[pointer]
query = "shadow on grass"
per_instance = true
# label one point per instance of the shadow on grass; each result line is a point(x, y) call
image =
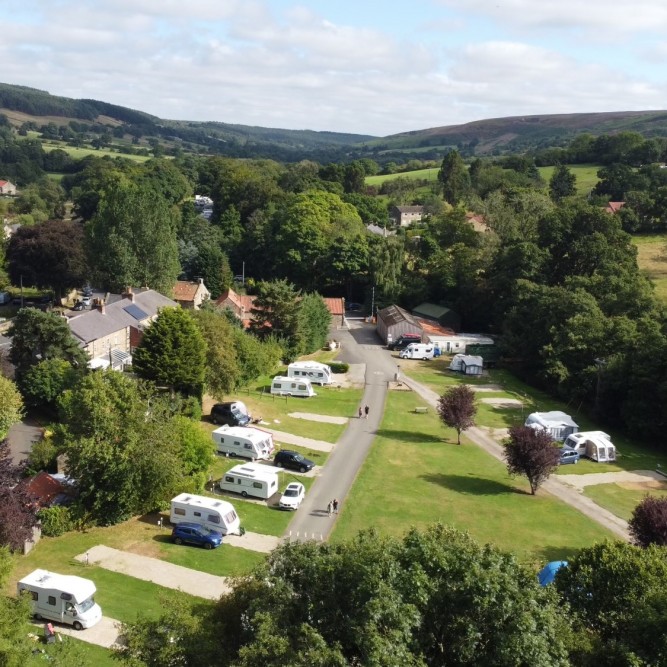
point(163, 538)
point(473, 485)
point(152, 518)
point(407, 436)
point(549, 553)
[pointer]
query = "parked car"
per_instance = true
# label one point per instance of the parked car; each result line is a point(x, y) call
point(86, 300)
point(569, 455)
point(403, 341)
point(232, 413)
point(87, 290)
point(192, 533)
point(79, 306)
point(286, 458)
point(293, 496)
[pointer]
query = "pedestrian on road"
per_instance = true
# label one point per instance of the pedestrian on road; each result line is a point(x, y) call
point(366, 411)
point(360, 412)
point(330, 508)
point(334, 502)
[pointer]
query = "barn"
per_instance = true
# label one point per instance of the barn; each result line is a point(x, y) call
point(393, 322)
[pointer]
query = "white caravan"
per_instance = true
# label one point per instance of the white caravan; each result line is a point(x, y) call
point(218, 515)
point(314, 371)
point(594, 445)
point(251, 479)
point(285, 386)
point(417, 351)
point(64, 598)
point(457, 342)
point(467, 364)
point(556, 423)
point(248, 442)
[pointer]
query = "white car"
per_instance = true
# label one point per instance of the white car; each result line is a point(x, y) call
point(293, 496)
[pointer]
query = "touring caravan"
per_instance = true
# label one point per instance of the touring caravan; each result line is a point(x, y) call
point(556, 423)
point(286, 386)
point(467, 364)
point(314, 371)
point(218, 515)
point(251, 479)
point(417, 351)
point(458, 343)
point(595, 445)
point(64, 598)
point(248, 442)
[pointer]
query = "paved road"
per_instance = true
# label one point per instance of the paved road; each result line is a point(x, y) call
point(21, 438)
point(359, 345)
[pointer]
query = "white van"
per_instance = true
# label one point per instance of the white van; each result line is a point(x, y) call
point(285, 386)
point(251, 479)
point(218, 515)
point(247, 442)
point(314, 371)
point(418, 351)
point(64, 598)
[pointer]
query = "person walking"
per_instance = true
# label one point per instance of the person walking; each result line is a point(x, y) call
point(366, 411)
point(330, 508)
point(334, 502)
point(360, 412)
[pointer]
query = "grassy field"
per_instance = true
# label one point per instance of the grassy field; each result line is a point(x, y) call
point(430, 174)
point(95, 655)
point(416, 475)
point(621, 499)
point(82, 152)
point(652, 260)
point(586, 174)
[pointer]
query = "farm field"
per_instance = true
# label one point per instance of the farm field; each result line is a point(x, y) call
point(652, 260)
point(82, 152)
point(621, 499)
point(586, 174)
point(430, 174)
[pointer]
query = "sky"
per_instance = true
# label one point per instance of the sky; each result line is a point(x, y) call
point(375, 67)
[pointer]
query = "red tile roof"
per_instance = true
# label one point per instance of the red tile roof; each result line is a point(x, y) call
point(336, 305)
point(3, 183)
point(43, 488)
point(433, 328)
point(614, 206)
point(185, 291)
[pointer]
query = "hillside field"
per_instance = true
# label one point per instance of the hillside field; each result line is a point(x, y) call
point(652, 260)
point(430, 174)
point(587, 176)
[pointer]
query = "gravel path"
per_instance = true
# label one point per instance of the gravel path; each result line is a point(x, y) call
point(291, 439)
point(633, 477)
point(199, 584)
point(104, 633)
point(311, 416)
point(253, 541)
point(502, 402)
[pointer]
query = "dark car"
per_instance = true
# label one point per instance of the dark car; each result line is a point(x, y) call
point(79, 306)
point(403, 341)
point(192, 533)
point(569, 455)
point(233, 413)
point(293, 460)
point(353, 307)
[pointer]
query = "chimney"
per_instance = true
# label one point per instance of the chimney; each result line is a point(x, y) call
point(128, 294)
point(101, 305)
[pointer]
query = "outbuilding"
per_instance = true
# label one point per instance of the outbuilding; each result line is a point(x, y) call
point(443, 315)
point(394, 321)
point(558, 424)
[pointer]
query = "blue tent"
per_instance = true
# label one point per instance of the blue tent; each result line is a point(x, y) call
point(548, 572)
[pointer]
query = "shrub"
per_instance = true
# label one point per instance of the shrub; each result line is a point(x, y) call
point(55, 521)
point(339, 367)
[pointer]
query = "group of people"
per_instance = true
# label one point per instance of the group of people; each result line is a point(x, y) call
point(332, 506)
point(363, 412)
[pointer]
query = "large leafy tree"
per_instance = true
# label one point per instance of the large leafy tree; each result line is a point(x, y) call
point(454, 178)
point(172, 353)
point(648, 524)
point(457, 409)
point(314, 323)
point(37, 336)
point(11, 406)
point(563, 183)
point(531, 453)
point(48, 255)
point(276, 311)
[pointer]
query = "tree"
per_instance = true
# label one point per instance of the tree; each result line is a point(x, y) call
point(314, 321)
point(563, 183)
point(37, 336)
point(276, 311)
point(11, 406)
point(17, 512)
point(15, 624)
point(454, 178)
point(172, 353)
point(457, 409)
point(531, 452)
point(48, 255)
point(43, 383)
point(648, 524)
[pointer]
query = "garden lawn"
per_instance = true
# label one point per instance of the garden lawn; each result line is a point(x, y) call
point(652, 260)
point(621, 499)
point(416, 475)
point(94, 655)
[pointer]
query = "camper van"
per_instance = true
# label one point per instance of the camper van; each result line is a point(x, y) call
point(251, 479)
point(247, 442)
point(595, 445)
point(285, 386)
point(218, 515)
point(417, 351)
point(314, 371)
point(64, 598)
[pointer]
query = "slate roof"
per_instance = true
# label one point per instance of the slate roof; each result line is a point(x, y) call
point(409, 209)
point(432, 311)
point(394, 314)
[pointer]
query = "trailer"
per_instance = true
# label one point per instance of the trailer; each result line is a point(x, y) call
point(595, 445)
point(64, 598)
point(286, 386)
point(467, 364)
point(248, 442)
point(251, 479)
point(458, 343)
point(314, 371)
point(218, 515)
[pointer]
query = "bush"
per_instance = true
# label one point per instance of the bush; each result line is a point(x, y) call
point(55, 521)
point(339, 367)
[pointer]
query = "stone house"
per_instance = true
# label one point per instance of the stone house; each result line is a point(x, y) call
point(190, 294)
point(404, 216)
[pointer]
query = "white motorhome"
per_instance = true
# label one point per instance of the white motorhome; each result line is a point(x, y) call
point(417, 351)
point(286, 386)
point(248, 442)
point(64, 598)
point(218, 515)
point(251, 479)
point(595, 445)
point(558, 424)
point(457, 342)
point(314, 371)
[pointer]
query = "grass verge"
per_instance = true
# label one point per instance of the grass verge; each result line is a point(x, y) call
point(621, 499)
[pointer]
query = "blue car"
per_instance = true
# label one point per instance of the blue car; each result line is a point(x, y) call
point(569, 455)
point(192, 533)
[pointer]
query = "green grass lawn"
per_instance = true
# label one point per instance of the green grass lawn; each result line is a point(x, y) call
point(430, 174)
point(94, 655)
point(587, 176)
point(621, 499)
point(416, 475)
point(652, 260)
point(82, 152)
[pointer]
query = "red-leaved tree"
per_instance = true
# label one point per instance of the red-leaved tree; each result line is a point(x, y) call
point(648, 524)
point(457, 408)
point(531, 453)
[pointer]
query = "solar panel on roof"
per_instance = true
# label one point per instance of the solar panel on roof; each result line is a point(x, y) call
point(135, 312)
